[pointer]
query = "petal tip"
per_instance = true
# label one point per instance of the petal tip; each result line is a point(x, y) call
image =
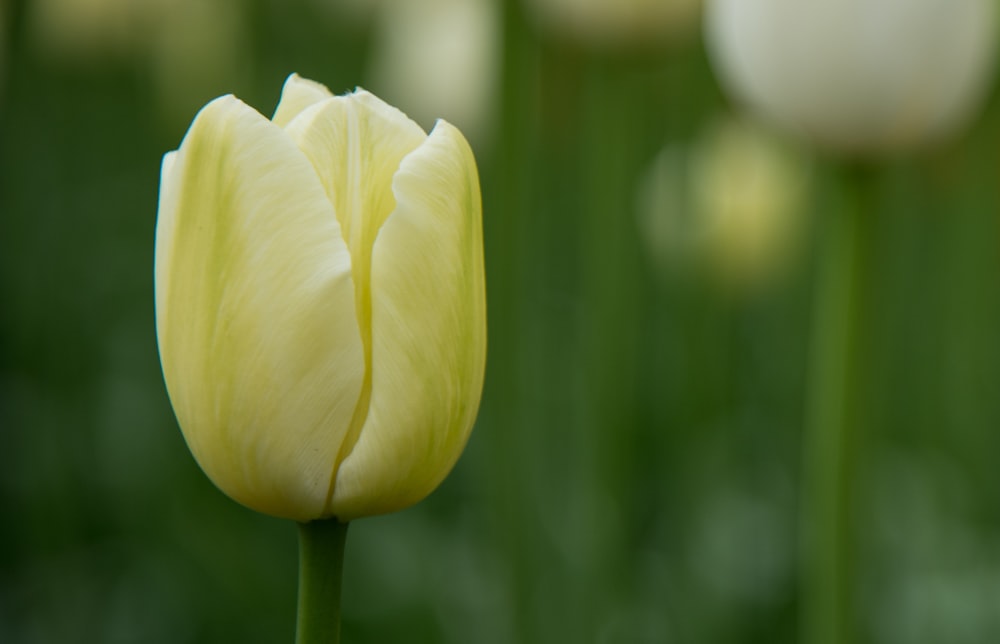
point(297, 94)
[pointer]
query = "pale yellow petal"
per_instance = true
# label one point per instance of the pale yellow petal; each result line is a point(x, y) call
point(297, 94)
point(255, 312)
point(166, 213)
point(428, 332)
point(356, 143)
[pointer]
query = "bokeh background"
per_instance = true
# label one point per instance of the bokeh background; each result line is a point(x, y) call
point(636, 471)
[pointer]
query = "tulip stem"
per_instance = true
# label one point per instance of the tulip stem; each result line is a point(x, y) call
point(831, 441)
point(321, 565)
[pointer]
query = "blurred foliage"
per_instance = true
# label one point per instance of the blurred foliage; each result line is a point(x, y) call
point(634, 474)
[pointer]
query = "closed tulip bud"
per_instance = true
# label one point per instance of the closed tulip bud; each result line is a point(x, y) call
point(320, 301)
point(729, 205)
point(856, 76)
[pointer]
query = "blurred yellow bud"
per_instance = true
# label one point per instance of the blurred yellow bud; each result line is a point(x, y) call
point(320, 301)
point(617, 22)
point(856, 75)
point(730, 205)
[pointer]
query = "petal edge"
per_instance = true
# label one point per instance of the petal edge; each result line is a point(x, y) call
point(428, 329)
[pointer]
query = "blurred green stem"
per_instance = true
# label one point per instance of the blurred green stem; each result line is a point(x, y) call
point(831, 436)
point(321, 564)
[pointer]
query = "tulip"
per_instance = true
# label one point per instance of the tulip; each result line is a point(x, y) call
point(320, 301)
point(730, 204)
point(856, 76)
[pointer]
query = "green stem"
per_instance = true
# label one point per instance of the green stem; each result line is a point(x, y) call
point(830, 445)
point(321, 565)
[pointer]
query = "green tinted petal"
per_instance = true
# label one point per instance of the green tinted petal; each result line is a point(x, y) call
point(428, 332)
point(255, 312)
point(297, 94)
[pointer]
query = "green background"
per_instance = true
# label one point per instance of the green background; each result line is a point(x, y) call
point(635, 472)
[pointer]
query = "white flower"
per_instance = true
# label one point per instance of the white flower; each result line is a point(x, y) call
point(856, 75)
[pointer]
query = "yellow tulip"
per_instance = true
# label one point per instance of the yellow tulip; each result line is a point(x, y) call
point(730, 205)
point(320, 301)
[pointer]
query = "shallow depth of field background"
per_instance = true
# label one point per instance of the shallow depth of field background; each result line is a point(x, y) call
point(634, 474)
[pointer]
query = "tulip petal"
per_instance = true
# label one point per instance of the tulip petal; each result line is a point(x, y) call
point(428, 332)
point(356, 143)
point(297, 94)
point(255, 312)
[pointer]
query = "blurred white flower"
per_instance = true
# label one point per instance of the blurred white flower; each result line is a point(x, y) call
point(617, 22)
point(856, 75)
point(730, 205)
point(439, 59)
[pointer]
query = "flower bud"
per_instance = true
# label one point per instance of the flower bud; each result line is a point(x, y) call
point(729, 205)
point(320, 301)
point(856, 76)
